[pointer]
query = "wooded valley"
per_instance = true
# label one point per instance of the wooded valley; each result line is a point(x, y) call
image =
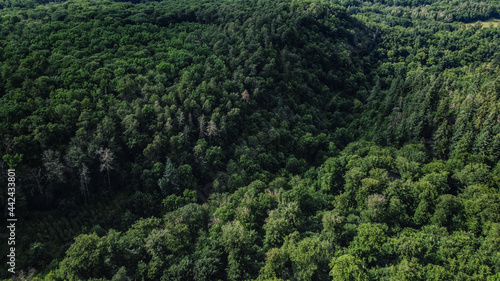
point(251, 139)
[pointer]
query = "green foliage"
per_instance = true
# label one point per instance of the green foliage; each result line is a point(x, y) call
point(347, 268)
point(85, 257)
point(309, 257)
point(367, 244)
point(173, 202)
point(305, 140)
point(239, 244)
point(170, 182)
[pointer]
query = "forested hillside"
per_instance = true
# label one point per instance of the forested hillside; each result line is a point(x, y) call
point(252, 140)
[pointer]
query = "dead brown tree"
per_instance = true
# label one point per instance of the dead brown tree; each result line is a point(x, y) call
point(106, 158)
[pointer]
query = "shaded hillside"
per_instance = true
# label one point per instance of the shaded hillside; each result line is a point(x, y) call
point(161, 98)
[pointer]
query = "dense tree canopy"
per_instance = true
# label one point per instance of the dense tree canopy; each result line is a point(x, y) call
point(252, 140)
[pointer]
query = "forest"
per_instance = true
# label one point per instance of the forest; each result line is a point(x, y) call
point(251, 139)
